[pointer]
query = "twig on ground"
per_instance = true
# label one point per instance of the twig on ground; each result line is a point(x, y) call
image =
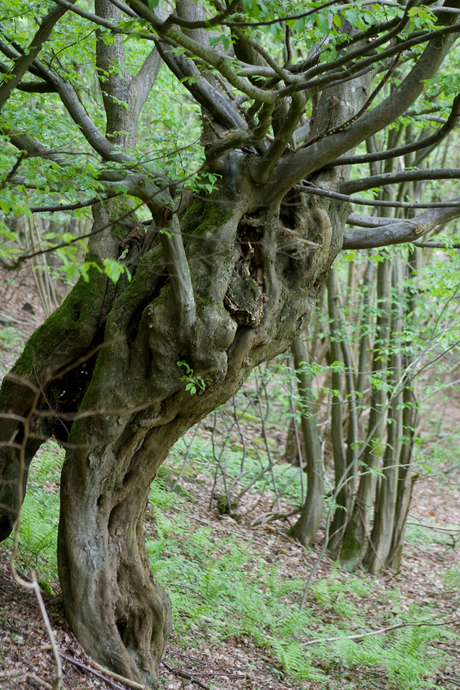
point(104, 676)
point(271, 517)
point(39, 680)
point(415, 624)
point(184, 674)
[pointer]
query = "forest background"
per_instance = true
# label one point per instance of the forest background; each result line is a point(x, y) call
point(197, 234)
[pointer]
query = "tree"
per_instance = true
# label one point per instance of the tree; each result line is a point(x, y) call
point(227, 273)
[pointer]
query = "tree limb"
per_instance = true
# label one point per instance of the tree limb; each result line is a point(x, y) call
point(358, 53)
point(454, 203)
point(262, 167)
point(395, 178)
point(368, 221)
point(315, 157)
point(213, 59)
point(399, 232)
point(321, 82)
point(25, 61)
point(434, 139)
point(221, 109)
point(77, 112)
point(201, 24)
point(30, 86)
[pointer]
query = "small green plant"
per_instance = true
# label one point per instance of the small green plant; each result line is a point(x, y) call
point(194, 383)
point(9, 338)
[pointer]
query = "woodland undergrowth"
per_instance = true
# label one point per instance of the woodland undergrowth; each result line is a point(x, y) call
point(228, 585)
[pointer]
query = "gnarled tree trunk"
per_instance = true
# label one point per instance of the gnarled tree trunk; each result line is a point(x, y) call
point(238, 294)
point(221, 282)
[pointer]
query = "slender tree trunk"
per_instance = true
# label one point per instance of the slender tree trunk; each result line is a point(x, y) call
point(406, 478)
point(379, 547)
point(364, 328)
point(307, 525)
point(338, 446)
point(358, 529)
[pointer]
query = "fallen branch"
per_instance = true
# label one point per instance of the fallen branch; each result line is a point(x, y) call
point(454, 621)
point(104, 676)
point(271, 517)
point(184, 674)
point(435, 528)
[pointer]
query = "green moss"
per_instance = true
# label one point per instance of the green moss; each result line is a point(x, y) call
point(117, 208)
point(202, 216)
point(203, 301)
point(350, 553)
point(162, 297)
point(46, 344)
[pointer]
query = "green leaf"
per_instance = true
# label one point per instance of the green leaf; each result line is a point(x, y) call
point(113, 269)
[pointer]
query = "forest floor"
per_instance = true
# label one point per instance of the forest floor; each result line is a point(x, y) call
point(198, 655)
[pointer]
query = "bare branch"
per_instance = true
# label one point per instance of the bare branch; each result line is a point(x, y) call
point(368, 221)
point(315, 157)
point(262, 167)
point(358, 53)
point(418, 39)
point(281, 20)
point(409, 148)
point(359, 636)
point(376, 202)
point(201, 24)
point(395, 178)
point(53, 208)
point(402, 231)
point(216, 60)
point(221, 109)
point(435, 245)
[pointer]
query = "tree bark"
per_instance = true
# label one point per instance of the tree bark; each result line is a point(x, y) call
point(379, 547)
point(358, 529)
point(306, 527)
point(234, 293)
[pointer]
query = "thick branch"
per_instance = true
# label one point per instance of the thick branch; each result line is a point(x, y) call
point(263, 167)
point(34, 148)
point(178, 270)
point(315, 157)
point(399, 232)
point(81, 118)
point(395, 178)
point(219, 62)
point(30, 86)
point(221, 109)
point(252, 137)
point(142, 83)
point(433, 140)
point(368, 221)
point(454, 203)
